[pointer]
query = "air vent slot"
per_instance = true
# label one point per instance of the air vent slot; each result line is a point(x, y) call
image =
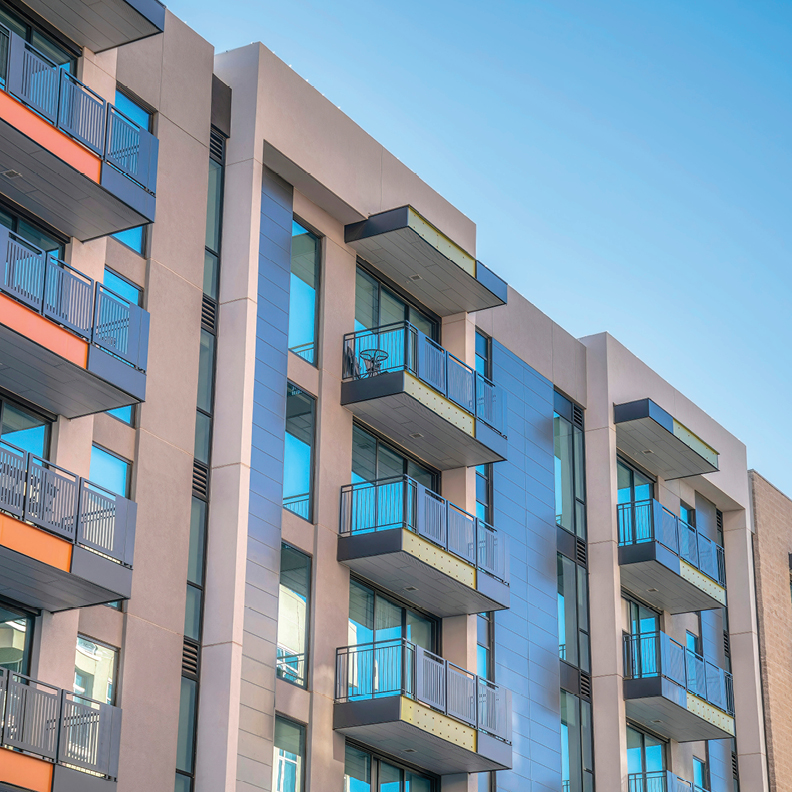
point(581, 552)
point(217, 146)
point(719, 519)
point(200, 480)
point(191, 659)
point(726, 644)
point(585, 685)
point(209, 314)
point(577, 415)
point(735, 766)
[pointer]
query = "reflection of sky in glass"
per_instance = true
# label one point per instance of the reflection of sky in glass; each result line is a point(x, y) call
point(296, 467)
point(109, 471)
point(302, 311)
point(564, 752)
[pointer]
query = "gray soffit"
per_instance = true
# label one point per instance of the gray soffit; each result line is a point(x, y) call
point(39, 585)
point(380, 728)
point(60, 195)
point(660, 444)
point(659, 584)
point(396, 244)
point(102, 24)
point(51, 382)
point(378, 558)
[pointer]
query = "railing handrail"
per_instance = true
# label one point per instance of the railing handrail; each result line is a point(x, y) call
point(465, 393)
point(653, 534)
point(61, 735)
point(412, 520)
point(633, 667)
point(413, 689)
point(123, 555)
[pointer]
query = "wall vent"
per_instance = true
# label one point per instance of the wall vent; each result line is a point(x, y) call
point(200, 480)
point(581, 552)
point(735, 766)
point(577, 415)
point(191, 659)
point(726, 644)
point(719, 519)
point(585, 685)
point(217, 146)
point(209, 314)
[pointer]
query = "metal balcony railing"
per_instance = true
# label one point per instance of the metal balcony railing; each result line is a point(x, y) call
point(659, 781)
point(658, 655)
point(69, 506)
point(64, 295)
point(58, 725)
point(66, 103)
point(401, 502)
point(650, 521)
point(403, 347)
point(400, 668)
point(291, 665)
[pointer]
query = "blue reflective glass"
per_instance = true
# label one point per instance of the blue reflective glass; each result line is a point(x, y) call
point(25, 430)
point(305, 252)
point(122, 413)
point(298, 452)
point(109, 471)
point(122, 287)
point(132, 238)
point(133, 110)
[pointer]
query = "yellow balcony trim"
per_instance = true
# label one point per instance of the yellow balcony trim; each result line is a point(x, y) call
point(440, 559)
point(710, 714)
point(448, 729)
point(438, 240)
point(438, 404)
point(700, 580)
point(696, 443)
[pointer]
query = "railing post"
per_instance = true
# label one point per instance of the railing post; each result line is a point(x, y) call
point(420, 508)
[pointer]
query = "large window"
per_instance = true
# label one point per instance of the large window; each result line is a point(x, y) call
point(577, 744)
point(293, 615)
point(483, 355)
point(185, 742)
point(484, 492)
point(485, 643)
point(203, 415)
point(298, 452)
point(303, 292)
point(193, 611)
point(570, 463)
point(110, 471)
point(573, 620)
point(29, 232)
point(289, 756)
point(24, 429)
point(646, 754)
point(633, 485)
point(364, 772)
point(376, 306)
point(95, 670)
point(373, 459)
point(16, 638)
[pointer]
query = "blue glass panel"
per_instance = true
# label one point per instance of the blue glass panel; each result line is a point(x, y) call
point(133, 110)
point(122, 287)
point(132, 238)
point(109, 471)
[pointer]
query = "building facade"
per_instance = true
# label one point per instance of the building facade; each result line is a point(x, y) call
point(297, 494)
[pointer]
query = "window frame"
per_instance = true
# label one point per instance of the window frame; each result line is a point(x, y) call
point(33, 22)
point(320, 264)
point(308, 616)
point(129, 463)
point(312, 473)
point(377, 758)
point(31, 617)
point(116, 665)
point(48, 423)
point(17, 213)
point(303, 750)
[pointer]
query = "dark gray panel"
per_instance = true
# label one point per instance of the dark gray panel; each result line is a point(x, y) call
point(64, 779)
point(102, 572)
point(221, 105)
point(117, 373)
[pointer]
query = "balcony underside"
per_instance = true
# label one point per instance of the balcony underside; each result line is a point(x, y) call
point(59, 194)
point(422, 573)
point(670, 711)
point(662, 579)
point(93, 580)
point(416, 734)
point(409, 413)
point(105, 24)
point(420, 259)
point(666, 448)
point(44, 378)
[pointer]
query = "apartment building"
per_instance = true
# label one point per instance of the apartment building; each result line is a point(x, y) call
point(298, 494)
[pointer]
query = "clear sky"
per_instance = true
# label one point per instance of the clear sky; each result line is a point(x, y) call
point(628, 164)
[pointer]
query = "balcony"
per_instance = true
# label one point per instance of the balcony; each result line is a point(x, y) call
point(422, 260)
point(667, 562)
point(401, 700)
point(407, 539)
point(104, 24)
point(64, 541)
point(660, 443)
point(403, 384)
point(660, 781)
point(675, 692)
point(67, 344)
point(51, 739)
point(67, 155)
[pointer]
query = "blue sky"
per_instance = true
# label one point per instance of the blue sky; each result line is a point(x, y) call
point(628, 165)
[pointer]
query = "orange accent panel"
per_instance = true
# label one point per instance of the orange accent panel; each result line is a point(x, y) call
point(45, 333)
point(51, 138)
point(35, 543)
point(25, 771)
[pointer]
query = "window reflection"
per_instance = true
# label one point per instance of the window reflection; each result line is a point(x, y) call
point(16, 636)
point(24, 429)
point(109, 471)
point(298, 452)
point(305, 262)
point(95, 671)
point(287, 767)
point(295, 585)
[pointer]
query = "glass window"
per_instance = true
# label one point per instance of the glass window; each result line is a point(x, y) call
point(366, 773)
point(692, 643)
point(484, 493)
point(45, 45)
point(24, 429)
point(110, 471)
point(305, 263)
point(134, 238)
point(203, 437)
point(206, 360)
point(634, 486)
point(287, 765)
point(569, 465)
point(577, 744)
point(485, 641)
point(373, 459)
point(16, 638)
point(123, 287)
point(298, 452)
point(133, 110)
point(645, 753)
point(185, 745)
point(700, 773)
point(357, 770)
point(214, 206)
point(639, 620)
point(293, 615)
point(30, 233)
point(483, 357)
point(687, 514)
point(573, 627)
point(95, 671)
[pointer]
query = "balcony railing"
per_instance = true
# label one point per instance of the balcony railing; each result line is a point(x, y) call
point(650, 521)
point(66, 103)
point(400, 668)
point(401, 502)
point(51, 498)
point(64, 295)
point(659, 781)
point(58, 726)
point(291, 665)
point(403, 347)
point(658, 655)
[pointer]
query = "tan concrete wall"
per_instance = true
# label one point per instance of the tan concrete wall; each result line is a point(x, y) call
point(772, 519)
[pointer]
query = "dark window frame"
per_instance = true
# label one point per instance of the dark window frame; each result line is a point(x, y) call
point(303, 746)
point(308, 615)
point(129, 462)
point(312, 477)
point(377, 758)
point(33, 21)
point(318, 288)
point(31, 616)
point(116, 670)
